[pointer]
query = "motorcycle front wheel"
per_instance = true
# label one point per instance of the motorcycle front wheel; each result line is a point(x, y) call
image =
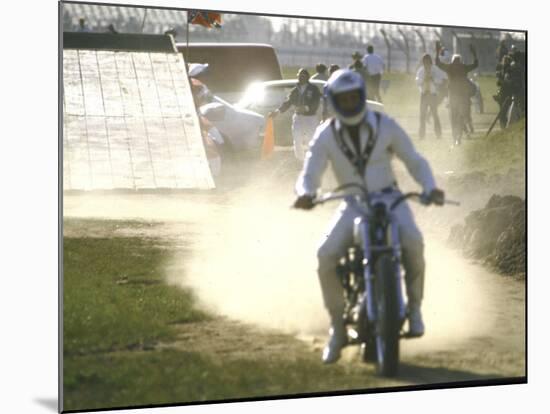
point(388, 321)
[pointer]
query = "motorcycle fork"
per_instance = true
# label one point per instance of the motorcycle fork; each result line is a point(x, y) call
point(393, 241)
point(362, 231)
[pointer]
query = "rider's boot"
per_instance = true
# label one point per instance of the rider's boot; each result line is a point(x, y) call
point(416, 324)
point(338, 339)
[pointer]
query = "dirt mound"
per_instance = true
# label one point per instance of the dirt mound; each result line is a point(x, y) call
point(495, 234)
point(511, 182)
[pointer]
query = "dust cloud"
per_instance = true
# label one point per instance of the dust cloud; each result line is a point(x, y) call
point(248, 256)
point(255, 261)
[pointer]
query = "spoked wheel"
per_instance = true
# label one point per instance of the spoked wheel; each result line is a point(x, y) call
point(388, 323)
point(368, 343)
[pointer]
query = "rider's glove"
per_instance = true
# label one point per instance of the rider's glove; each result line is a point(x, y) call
point(305, 202)
point(437, 197)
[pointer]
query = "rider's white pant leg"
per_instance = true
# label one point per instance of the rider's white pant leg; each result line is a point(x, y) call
point(333, 246)
point(340, 237)
point(412, 244)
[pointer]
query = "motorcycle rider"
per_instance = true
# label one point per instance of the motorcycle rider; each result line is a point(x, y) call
point(361, 142)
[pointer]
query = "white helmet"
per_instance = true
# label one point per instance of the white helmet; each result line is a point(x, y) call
point(345, 80)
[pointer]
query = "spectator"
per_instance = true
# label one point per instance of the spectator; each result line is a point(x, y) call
point(517, 75)
point(333, 68)
point(374, 66)
point(321, 72)
point(459, 96)
point(357, 66)
point(212, 139)
point(111, 29)
point(445, 56)
point(505, 89)
point(355, 57)
point(306, 99)
point(477, 98)
point(502, 51)
point(325, 112)
point(443, 89)
point(82, 27)
point(468, 121)
point(511, 87)
point(428, 79)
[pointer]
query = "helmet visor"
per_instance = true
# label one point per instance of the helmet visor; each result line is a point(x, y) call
point(349, 103)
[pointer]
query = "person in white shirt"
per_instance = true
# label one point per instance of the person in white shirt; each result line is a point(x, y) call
point(374, 66)
point(343, 142)
point(428, 80)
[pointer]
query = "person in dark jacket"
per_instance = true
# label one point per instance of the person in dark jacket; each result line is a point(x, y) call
point(459, 97)
point(357, 65)
point(502, 51)
point(305, 98)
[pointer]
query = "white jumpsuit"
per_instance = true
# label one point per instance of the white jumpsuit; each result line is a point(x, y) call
point(391, 139)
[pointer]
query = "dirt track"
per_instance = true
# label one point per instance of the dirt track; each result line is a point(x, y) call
point(269, 303)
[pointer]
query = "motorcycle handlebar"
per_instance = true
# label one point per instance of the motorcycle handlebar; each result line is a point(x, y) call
point(422, 197)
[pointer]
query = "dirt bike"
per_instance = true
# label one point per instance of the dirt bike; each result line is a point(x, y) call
point(370, 272)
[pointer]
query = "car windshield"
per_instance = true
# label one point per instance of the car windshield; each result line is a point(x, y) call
point(267, 95)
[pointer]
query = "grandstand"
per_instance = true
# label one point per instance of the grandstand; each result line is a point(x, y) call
point(298, 41)
point(124, 19)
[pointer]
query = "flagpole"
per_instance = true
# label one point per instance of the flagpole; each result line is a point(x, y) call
point(143, 22)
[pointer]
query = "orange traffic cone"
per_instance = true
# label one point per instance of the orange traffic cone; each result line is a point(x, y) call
point(269, 138)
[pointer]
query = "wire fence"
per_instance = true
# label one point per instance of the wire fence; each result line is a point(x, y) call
point(299, 42)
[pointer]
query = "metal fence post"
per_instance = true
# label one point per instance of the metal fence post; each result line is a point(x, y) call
point(388, 47)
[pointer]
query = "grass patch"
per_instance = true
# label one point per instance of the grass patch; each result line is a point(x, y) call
point(116, 303)
point(500, 151)
point(170, 376)
point(115, 296)
point(497, 153)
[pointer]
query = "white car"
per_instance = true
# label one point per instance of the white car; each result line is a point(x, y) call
point(243, 128)
point(264, 97)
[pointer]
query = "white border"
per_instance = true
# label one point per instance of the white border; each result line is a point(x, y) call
point(29, 203)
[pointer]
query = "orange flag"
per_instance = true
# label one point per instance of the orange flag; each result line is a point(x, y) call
point(269, 138)
point(206, 19)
